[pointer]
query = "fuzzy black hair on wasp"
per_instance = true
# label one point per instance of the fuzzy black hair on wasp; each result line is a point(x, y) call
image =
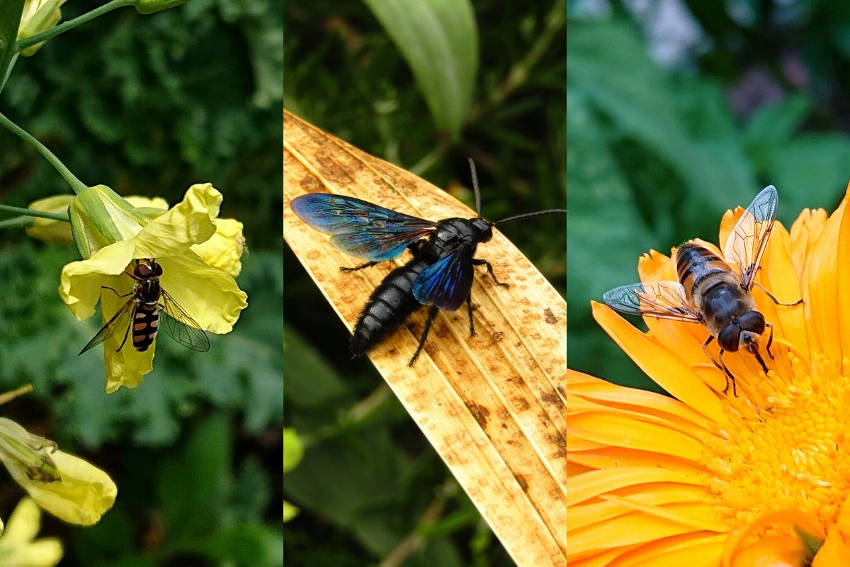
point(439, 275)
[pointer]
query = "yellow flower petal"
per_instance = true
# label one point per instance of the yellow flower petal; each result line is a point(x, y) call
point(49, 230)
point(188, 222)
point(81, 281)
point(216, 304)
point(223, 250)
point(82, 496)
point(18, 546)
point(836, 548)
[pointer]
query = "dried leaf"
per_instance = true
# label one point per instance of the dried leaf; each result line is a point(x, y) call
point(492, 405)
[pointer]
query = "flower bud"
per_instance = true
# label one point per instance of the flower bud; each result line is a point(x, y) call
point(38, 16)
point(100, 217)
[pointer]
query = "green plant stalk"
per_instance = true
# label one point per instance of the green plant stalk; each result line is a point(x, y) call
point(71, 179)
point(32, 213)
point(71, 24)
point(16, 222)
point(555, 20)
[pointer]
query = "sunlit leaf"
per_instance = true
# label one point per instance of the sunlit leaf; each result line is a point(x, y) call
point(492, 405)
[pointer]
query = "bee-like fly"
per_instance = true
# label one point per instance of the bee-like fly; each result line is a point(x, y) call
point(139, 317)
point(711, 291)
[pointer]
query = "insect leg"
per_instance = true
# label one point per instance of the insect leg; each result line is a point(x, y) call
point(776, 301)
point(720, 365)
point(770, 338)
point(431, 314)
point(479, 262)
point(469, 311)
point(355, 268)
point(115, 292)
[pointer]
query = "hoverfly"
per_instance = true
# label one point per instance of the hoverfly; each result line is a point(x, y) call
point(710, 291)
point(139, 317)
point(440, 273)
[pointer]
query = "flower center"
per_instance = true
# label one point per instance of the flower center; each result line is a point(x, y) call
point(789, 450)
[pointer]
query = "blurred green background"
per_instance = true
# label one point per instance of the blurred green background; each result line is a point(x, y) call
point(369, 484)
point(678, 111)
point(149, 105)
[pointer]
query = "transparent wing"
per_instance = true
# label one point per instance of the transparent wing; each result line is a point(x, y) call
point(663, 300)
point(180, 326)
point(745, 244)
point(360, 228)
point(121, 320)
point(446, 282)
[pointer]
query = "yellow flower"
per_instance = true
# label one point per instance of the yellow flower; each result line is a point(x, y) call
point(209, 295)
point(710, 479)
point(38, 16)
point(49, 230)
point(18, 546)
point(66, 486)
point(224, 249)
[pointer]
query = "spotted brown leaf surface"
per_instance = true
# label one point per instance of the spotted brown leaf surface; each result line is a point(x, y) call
point(492, 405)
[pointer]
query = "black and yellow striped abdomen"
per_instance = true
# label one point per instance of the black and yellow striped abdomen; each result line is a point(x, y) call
point(145, 325)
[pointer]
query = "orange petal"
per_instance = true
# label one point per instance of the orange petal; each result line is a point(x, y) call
point(836, 548)
point(667, 370)
point(805, 231)
point(821, 288)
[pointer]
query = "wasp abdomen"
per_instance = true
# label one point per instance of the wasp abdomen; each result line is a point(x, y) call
point(388, 306)
point(145, 325)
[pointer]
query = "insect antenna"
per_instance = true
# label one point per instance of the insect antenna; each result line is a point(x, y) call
point(475, 187)
point(534, 214)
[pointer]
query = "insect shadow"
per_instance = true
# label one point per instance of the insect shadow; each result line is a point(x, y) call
point(439, 275)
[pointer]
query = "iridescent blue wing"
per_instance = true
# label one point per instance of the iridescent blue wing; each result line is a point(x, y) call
point(360, 228)
point(446, 282)
point(180, 326)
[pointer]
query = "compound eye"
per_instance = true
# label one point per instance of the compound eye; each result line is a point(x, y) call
point(143, 271)
point(729, 337)
point(752, 321)
point(157, 269)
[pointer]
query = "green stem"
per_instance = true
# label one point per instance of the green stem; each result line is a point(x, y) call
point(16, 222)
point(75, 184)
point(554, 21)
point(71, 24)
point(32, 213)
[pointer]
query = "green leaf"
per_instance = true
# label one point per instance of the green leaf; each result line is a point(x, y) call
point(10, 19)
point(606, 236)
point(194, 484)
point(439, 40)
point(608, 63)
point(776, 122)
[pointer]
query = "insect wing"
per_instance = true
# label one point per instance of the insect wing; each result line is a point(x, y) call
point(446, 282)
point(663, 300)
point(120, 320)
point(746, 243)
point(360, 228)
point(180, 326)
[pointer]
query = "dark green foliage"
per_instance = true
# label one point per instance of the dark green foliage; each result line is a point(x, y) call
point(149, 105)
point(657, 155)
point(369, 476)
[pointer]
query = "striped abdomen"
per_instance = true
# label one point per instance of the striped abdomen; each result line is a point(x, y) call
point(694, 264)
point(145, 325)
point(388, 306)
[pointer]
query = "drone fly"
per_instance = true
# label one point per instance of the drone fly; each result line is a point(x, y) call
point(139, 317)
point(711, 291)
point(440, 273)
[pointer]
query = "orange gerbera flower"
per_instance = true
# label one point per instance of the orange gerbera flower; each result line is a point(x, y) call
point(711, 479)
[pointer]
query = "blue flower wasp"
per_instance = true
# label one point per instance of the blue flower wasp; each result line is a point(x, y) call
point(440, 273)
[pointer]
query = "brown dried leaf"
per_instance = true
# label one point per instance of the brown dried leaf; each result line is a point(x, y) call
point(492, 405)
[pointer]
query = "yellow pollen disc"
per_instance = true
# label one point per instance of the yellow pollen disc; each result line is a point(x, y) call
point(785, 445)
